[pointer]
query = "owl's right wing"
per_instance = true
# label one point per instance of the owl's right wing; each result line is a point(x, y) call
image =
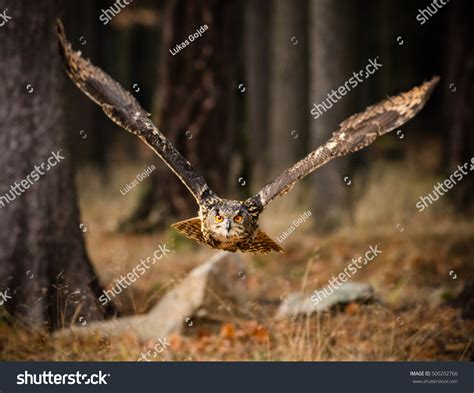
point(124, 110)
point(355, 133)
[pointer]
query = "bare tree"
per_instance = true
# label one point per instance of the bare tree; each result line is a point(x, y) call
point(287, 84)
point(460, 96)
point(257, 34)
point(331, 57)
point(44, 268)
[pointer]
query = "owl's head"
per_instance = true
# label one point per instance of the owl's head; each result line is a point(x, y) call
point(229, 221)
point(229, 225)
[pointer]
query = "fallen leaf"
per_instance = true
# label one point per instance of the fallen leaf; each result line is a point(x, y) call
point(261, 334)
point(175, 342)
point(352, 308)
point(228, 330)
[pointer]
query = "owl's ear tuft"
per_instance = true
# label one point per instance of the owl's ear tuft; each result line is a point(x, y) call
point(262, 244)
point(191, 228)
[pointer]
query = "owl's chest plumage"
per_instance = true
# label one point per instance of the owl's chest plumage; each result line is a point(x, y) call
point(228, 244)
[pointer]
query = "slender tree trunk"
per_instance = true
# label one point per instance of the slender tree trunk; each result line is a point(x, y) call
point(43, 262)
point(193, 105)
point(91, 138)
point(287, 84)
point(332, 53)
point(257, 25)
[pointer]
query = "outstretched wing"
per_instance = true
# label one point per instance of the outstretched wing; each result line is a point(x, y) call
point(125, 111)
point(355, 133)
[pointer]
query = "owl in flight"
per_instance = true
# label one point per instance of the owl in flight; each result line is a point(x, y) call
point(222, 223)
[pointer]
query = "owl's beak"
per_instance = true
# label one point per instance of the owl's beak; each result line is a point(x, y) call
point(228, 224)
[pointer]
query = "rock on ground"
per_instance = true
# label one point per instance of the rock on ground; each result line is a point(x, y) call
point(296, 303)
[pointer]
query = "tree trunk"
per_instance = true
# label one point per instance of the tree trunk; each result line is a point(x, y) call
point(332, 54)
point(257, 25)
point(193, 106)
point(459, 98)
point(44, 267)
point(287, 84)
point(92, 137)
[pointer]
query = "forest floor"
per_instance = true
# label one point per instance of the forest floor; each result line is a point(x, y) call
point(421, 269)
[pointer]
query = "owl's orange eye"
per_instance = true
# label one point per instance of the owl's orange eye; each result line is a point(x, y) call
point(219, 218)
point(238, 218)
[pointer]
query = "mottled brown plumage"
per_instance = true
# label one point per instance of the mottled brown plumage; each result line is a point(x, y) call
point(354, 133)
point(227, 224)
point(125, 111)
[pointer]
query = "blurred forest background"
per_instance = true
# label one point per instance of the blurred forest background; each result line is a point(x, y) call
point(236, 102)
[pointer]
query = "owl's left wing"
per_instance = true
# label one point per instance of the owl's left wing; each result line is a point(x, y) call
point(124, 110)
point(355, 133)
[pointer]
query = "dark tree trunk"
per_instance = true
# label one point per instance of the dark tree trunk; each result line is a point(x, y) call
point(257, 25)
point(91, 138)
point(460, 140)
point(193, 106)
point(43, 262)
point(287, 84)
point(332, 54)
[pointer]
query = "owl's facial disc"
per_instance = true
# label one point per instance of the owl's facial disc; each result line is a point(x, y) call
point(227, 222)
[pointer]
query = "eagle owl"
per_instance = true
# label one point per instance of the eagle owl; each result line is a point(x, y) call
point(228, 224)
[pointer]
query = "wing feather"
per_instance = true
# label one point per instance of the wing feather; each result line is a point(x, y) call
point(124, 110)
point(354, 133)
